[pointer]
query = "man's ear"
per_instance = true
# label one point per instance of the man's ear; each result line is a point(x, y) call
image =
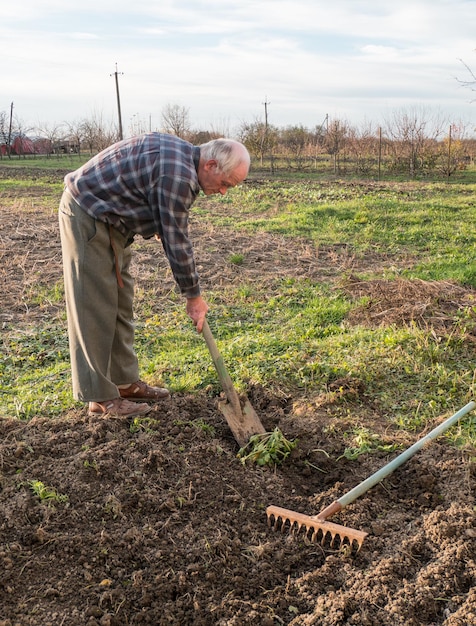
point(210, 165)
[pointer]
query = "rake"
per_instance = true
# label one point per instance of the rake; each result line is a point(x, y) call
point(318, 528)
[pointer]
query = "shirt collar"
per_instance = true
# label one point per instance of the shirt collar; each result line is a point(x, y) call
point(196, 156)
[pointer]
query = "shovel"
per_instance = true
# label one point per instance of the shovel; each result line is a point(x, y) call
point(317, 528)
point(241, 417)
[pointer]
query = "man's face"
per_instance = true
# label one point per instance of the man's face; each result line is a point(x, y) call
point(213, 181)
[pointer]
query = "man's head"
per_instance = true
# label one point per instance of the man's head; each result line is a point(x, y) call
point(224, 163)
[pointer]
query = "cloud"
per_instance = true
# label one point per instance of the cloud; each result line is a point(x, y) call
point(82, 36)
point(221, 59)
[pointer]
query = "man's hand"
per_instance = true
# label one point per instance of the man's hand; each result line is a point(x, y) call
point(197, 309)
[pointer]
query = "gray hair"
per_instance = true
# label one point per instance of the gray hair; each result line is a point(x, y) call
point(228, 153)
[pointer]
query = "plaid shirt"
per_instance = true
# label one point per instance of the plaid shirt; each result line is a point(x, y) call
point(145, 185)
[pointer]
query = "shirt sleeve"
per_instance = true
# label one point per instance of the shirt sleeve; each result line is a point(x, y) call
point(173, 199)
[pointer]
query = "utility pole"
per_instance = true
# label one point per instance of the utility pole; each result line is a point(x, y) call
point(116, 73)
point(379, 152)
point(266, 113)
point(448, 167)
point(266, 130)
point(9, 142)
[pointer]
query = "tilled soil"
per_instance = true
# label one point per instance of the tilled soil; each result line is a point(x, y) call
point(164, 525)
point(158, 522)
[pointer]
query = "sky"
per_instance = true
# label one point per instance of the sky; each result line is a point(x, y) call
point(228, 62)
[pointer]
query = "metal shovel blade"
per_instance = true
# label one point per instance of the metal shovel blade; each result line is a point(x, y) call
point(243, 424)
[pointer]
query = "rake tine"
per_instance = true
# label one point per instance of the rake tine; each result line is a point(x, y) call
point(316, 529)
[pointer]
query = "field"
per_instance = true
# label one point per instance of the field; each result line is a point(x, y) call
point(346, 312)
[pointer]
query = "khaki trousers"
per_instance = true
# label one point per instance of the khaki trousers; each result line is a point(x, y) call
point(100, 315)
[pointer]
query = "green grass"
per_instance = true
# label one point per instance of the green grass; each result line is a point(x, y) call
point(412, 375)
point(431, 221)
point(292, 337)
point(51, 162)
point(34, 372)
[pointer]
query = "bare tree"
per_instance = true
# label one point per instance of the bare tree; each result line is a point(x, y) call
point(471, 83)
point(10, 127)
point(197, 137)
point(414, 133)
point(4, 134)
point(363, 146)
point(259, 138)
point(75, 134)
point(96, 134)
point(452, 151)
point(294, 140)
point(336, 140)
point(220, 128)
point(176, 120)
point(52, 135)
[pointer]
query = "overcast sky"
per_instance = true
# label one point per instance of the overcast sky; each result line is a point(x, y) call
point(358, 60)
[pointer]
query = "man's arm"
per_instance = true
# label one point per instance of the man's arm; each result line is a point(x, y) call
point(173, 200)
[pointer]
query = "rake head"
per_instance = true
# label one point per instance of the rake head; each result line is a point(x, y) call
point(315, 528)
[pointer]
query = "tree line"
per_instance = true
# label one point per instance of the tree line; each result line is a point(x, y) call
point(412, 142)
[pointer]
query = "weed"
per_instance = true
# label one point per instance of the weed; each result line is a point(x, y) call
point(201, 425)
point(267, 449)
point(198, 424)
point(364, 442)
point(23, 411)
point(145, 424)
point(47, 495)
point(91, 465)
point(237, 259)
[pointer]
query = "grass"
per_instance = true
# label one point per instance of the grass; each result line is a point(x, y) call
point(34, 372)
point(292, 336)
point(299, 344)
point(51, 162)
point(431, 221)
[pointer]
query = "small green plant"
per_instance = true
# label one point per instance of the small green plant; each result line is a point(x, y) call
point(267, 449)
point(23, 411)
point(200, 424)
point(47, 495)
point(142, 423)
point(237, 258)
point(181, 501)
point(364, 442)
point(91, 465)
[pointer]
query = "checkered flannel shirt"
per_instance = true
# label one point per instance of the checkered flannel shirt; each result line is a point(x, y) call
point(145, 186)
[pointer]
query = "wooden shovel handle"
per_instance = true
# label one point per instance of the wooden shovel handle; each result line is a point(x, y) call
point(222, 372)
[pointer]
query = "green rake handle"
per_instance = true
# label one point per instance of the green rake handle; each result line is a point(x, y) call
point(382, 473)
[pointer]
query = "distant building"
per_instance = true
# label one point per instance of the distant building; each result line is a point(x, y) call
point(22, 146)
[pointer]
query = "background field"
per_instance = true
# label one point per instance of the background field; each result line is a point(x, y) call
point(346, 311)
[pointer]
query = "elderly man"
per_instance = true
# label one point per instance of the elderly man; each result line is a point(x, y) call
point(139, 186)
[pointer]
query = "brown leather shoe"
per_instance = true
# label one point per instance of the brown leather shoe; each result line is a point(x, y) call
point(118, 407)
point(142, 392)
